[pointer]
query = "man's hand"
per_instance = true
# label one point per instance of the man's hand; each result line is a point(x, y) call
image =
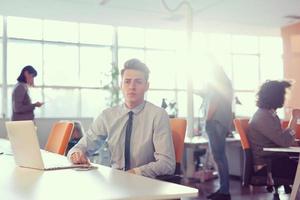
point(79, 158)
point(131, 171)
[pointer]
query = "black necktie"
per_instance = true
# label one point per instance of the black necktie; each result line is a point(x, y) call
point(127, 141)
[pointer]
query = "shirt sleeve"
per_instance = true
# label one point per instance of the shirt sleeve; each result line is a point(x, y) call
point(269, 127)
point(18, 99)
point(93, 139)
point(164, 153)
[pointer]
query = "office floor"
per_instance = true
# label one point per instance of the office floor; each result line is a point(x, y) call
point(237, 191)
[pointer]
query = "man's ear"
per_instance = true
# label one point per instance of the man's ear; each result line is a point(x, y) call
point(147, 86)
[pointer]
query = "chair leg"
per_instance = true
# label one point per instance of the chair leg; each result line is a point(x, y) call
point(270, 188)
point(287, 189)
point(276, 195)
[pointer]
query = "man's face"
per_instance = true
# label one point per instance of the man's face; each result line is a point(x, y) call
point(134, 86)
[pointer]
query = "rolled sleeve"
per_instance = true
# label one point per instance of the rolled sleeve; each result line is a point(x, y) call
point(93, 139)
point(164, 154)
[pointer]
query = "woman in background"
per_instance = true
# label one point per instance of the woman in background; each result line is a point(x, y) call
point(22, 108)
point(265, 131)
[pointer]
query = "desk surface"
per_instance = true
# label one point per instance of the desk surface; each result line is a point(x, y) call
point(282, 149)
point(102, 183)
point(201, 140)
point(297, 178)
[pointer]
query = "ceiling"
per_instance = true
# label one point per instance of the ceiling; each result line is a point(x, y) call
point(233, 16)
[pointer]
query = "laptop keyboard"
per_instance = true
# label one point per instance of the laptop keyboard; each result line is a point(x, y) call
point(54, 161)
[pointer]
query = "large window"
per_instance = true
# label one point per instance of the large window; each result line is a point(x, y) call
point(159, 49)
point(245, 72)
point(61, 102)
point(61, 31)
point(1, 60)
point(95, 65)
point(163, 70)
point(74, 62)
point(20, 54)
point(247, 60)
point(1, 26)
point(61, 70)
point(255, 60)
point(24, 28)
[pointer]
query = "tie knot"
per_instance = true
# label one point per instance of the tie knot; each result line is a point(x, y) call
point(130, 114)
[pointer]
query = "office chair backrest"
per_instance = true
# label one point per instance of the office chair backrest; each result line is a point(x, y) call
point(284, 125)
point(178, 127)
point(59, 137)
point(241, 126)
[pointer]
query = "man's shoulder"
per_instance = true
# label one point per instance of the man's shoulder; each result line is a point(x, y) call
point(154, 108)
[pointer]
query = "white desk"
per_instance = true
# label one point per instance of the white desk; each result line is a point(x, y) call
point(192, 143)
point(5, 146)
point(196, 141)
point(297, 178)
point(103, 183)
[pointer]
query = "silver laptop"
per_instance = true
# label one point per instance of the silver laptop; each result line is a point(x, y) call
point(26, 149)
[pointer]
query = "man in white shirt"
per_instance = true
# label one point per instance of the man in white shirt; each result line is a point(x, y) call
point(137, 133)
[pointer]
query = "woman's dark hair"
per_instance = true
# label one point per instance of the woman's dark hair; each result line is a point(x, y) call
point(271, 94)
point(30, 70)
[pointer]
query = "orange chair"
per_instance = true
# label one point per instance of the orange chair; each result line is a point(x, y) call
point(241, 126)
point(285, 123)
point(59, 137)
point(249, 176)
point(178, 127)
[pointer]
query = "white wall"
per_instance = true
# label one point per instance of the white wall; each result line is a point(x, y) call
point(44, 126)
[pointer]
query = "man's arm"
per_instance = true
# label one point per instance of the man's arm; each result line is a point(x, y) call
point(90, 142)
point(164, 154)
point(267, 126)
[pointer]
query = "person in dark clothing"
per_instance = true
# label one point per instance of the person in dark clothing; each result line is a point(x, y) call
point(22, 107)
point(265, 131)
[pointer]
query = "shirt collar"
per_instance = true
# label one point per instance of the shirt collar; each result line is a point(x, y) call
point(136, 109)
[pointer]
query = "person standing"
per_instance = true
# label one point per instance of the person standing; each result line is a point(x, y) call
point(22, 107)
point(218, 98)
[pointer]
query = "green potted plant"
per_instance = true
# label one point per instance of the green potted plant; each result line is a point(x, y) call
point(113, 87)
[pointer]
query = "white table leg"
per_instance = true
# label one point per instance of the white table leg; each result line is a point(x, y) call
point(296, 182)
point(190, 167)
